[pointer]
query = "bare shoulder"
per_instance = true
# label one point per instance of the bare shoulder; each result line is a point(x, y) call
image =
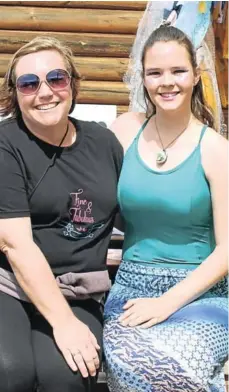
point(126, 126)
point(214, 152)
point(214, 142)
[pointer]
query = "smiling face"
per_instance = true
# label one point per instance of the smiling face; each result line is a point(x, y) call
point(46, 107)
point(169, 76)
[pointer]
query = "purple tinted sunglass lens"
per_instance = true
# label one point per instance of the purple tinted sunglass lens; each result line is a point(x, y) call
point(28, 84)
point(58, 79)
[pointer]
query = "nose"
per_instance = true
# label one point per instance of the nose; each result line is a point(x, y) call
point(44, 89)
point(167, 79)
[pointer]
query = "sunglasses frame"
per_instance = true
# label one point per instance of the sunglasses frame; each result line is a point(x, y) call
point(45, 81)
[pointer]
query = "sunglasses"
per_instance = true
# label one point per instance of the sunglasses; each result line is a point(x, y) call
point(57, 80)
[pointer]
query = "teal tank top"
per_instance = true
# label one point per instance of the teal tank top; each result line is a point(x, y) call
point(168, 215)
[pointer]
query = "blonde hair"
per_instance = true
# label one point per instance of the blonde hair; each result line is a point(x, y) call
point(8, 96)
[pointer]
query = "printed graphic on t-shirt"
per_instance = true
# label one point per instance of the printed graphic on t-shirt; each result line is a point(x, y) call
point(82, 223)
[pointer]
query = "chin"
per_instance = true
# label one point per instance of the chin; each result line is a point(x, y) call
point(176, 104)
point(170, 108)
point(45, 120)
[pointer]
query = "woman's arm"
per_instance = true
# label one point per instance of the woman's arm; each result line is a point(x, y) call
point(215, 267)
point(32, 270)
point(34, 275)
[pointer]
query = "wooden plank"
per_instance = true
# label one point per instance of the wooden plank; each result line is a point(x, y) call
point(221, 66)
point(74, 20)
point(99, 92)
point(122, 5)
point(225, 134)
point(90, 68)
point(122, 109)
point(107, 93)
point(82, 44)
point(112, 263)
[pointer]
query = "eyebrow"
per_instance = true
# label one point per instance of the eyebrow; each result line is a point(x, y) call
point(173, 68)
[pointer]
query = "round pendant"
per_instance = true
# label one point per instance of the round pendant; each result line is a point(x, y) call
point(161, 157)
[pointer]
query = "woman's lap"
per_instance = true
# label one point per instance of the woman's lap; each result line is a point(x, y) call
point(53, 372)
point(184, 353)
point(28, 351)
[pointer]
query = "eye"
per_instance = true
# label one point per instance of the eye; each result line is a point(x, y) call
point(179, 71)
point(153, 73)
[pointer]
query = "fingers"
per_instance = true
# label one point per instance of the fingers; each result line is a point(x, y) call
point(133, 320)
point(141, 321)
point(80, 363)
point(127, 314)
point(92, 354)
point(143, 312)
point(149, 323)
point(134, 317)
point(94, 341)
point(69, 359)
point(87, 361)
point(130, 303)
point(136, 321)
point(129, 308)
point(79, 350)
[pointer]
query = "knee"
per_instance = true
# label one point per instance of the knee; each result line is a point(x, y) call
point(16, 376)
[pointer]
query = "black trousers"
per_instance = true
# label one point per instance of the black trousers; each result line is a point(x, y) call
point(29, 356)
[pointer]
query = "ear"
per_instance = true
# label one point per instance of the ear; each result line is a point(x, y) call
point(197, 76)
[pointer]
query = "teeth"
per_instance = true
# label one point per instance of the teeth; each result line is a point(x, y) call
point(168, 94)
point(46, 107)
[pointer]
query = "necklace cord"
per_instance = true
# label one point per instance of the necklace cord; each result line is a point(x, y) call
point(50, 164)
point(179, 134)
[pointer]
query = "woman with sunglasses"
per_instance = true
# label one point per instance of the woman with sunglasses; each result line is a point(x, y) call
point(58, 180)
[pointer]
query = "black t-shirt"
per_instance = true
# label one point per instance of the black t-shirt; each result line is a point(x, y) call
point(73, 206)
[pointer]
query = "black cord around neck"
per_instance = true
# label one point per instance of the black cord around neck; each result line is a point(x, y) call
point(50, 165)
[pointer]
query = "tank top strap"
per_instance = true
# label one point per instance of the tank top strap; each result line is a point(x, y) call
point(203, 130)
point(142, 128)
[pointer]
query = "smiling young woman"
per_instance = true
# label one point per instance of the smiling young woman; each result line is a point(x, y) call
point(166, 315)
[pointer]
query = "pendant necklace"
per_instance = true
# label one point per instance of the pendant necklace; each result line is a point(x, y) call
point(162, 155)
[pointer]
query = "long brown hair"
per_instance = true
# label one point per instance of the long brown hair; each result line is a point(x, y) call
point(8, 95)
point(199, 107)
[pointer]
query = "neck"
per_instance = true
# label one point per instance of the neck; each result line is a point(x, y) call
point(172, 123)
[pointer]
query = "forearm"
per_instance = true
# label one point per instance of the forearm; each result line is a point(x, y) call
point(205, 276)
point(34, 275)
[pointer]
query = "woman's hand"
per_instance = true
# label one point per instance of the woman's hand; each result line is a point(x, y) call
point(78, 346)
point(145, 312)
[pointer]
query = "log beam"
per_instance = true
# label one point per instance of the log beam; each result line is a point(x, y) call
point(82, 44)
point(122, 5)
point(122, 109)
point(107, 93)
point(74, 20)
point(90, 68)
